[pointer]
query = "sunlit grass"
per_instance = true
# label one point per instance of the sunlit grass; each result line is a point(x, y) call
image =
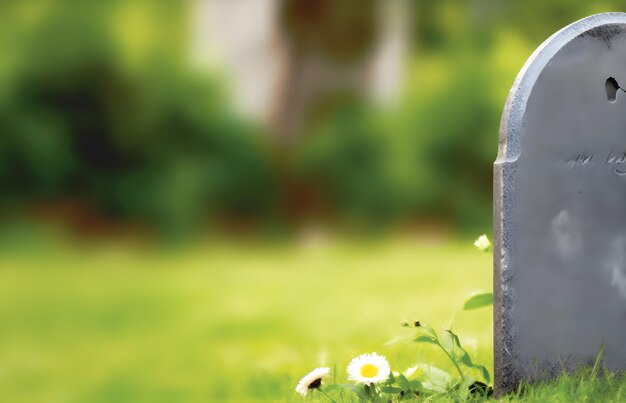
point(224, 323)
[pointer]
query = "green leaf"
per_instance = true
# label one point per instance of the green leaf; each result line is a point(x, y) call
point(404, 383)
point(431, 377)
point(485, 373)
point(391, 380)
point(428, 330)
point(478, 301)
point(465, 358)
point(416, 385)
point(425, 339)
point(390, 389)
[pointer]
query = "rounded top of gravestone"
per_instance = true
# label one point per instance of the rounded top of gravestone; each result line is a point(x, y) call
point(596, 28)
point(559, 211)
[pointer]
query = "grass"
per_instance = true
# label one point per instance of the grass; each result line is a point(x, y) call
point(579, 387)
point(228, 323)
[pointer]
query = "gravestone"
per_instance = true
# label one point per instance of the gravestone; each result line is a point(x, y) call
point(560, 207)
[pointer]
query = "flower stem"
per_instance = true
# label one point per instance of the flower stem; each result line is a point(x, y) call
point(453, 361)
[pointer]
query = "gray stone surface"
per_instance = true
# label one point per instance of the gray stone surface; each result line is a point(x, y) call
point(560, 207)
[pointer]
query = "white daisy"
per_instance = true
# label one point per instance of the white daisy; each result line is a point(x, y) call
point(368, 369)
point(482, 243)
point(312, 380)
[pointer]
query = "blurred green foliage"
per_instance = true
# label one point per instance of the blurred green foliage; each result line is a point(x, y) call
point(99, 104)
point(431, 154)
point(107, 112)
point(347, 159)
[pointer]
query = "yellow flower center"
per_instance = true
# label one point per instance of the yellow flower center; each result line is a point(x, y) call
point(369, 371)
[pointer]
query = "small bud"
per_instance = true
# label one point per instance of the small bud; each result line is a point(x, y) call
point(483, 243)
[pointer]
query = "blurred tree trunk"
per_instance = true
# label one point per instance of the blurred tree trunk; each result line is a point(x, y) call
point(328, 46)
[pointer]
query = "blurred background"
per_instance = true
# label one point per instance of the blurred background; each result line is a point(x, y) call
point(199, 200)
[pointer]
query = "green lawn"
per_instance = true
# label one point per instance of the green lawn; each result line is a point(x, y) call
point(223, 323)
